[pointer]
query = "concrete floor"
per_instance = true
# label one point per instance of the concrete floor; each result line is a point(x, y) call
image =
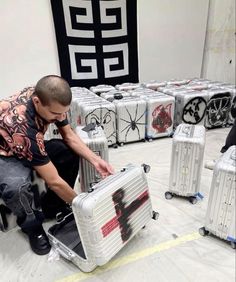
point(169, 249)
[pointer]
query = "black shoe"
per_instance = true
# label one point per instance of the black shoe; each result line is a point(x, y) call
point(39, 242)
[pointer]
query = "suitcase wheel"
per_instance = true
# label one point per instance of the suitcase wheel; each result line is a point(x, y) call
point(193, 200)
point(202, 231)
point(115, 146)
point(155, 215)
point(168, 195)
point(233, 245)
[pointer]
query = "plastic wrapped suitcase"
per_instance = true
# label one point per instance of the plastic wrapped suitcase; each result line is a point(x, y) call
point(190, 107)
point(154, 84)
point(220, 215)
point(218, 108)
point(126, 86)
point(101, 88)
point(114, 95)
point(105, 219)
point(186, 162)
point(94, 137)
point(131, 119)
point(160, 115)
point(101, 113)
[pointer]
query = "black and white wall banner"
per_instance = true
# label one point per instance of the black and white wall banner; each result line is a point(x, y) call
point(97, 41)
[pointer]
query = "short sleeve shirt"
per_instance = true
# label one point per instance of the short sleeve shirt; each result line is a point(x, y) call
point(22, 129)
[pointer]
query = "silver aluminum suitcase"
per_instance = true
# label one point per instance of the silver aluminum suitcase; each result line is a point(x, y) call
point(218, 108)
point(105, 219)
point(160, 115)
point(131, 119)
point(220, 215)
point(94, 137)
point(186, 162)
point(101, 88)
point(102, 113)
point(190, 107)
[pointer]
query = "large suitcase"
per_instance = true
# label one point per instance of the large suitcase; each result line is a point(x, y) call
point(218, 108)
point(160, 115)
point(220, 215)
point(94, 137)
point(105, 219)
point(186, 162)
point(131, 119)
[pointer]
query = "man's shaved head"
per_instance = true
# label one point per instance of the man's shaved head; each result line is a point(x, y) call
point(53, 88)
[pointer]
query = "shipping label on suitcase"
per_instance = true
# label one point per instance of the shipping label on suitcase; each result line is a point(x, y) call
point(106, 219)
point(218, 108)
point(220, 215)
point(187, 159)
point(131, 119)
point(94, 137)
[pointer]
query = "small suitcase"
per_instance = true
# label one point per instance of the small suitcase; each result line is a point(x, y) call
point(94, 137)
point(220, 215)
point(105, 219)
point(186, 162)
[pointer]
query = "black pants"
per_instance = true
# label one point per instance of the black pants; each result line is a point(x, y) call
point(230, 139)
point(16, 189)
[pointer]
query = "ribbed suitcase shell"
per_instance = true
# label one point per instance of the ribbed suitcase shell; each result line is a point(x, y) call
point(190, 107)
point(96, 140)
point(218, 108)
point(131, 119)
point(103, 113)
point(107, 218)
point(160, 115)
point(187, 159)
point(220, 215)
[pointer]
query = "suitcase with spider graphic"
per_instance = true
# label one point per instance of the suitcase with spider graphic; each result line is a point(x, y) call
point(102, 113)
point(105, 220)
point(131, 119)
point(220, 215)
point(94, 137)
point(160, 115)
point(218, 108)
point(188, 145)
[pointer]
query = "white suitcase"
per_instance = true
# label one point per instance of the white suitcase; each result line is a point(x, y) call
point(105, 219)
point(126, 86)
point(186, 162)
point(154, 84)
point(190, 107)
point(101, 88)
point(160, 115)
point(101, 113)
point(218, 108)
point(220, 215)
point(114, 95)
point(131, 119)
point(94, 137)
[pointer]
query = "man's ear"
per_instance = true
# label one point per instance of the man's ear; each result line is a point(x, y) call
point(36, 100)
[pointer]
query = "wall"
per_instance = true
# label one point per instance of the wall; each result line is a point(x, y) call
point(171, 40)
point(219, 53)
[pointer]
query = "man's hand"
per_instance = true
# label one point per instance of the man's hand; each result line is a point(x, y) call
point(103, 167)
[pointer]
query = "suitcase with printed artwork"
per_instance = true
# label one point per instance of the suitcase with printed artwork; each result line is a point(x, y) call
point(131, 119)
point(102, 113)
point(160, 115)
point(94, 137)
point(186, 162)
point(218, 108)
point(220, 215)
point(105, 220)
